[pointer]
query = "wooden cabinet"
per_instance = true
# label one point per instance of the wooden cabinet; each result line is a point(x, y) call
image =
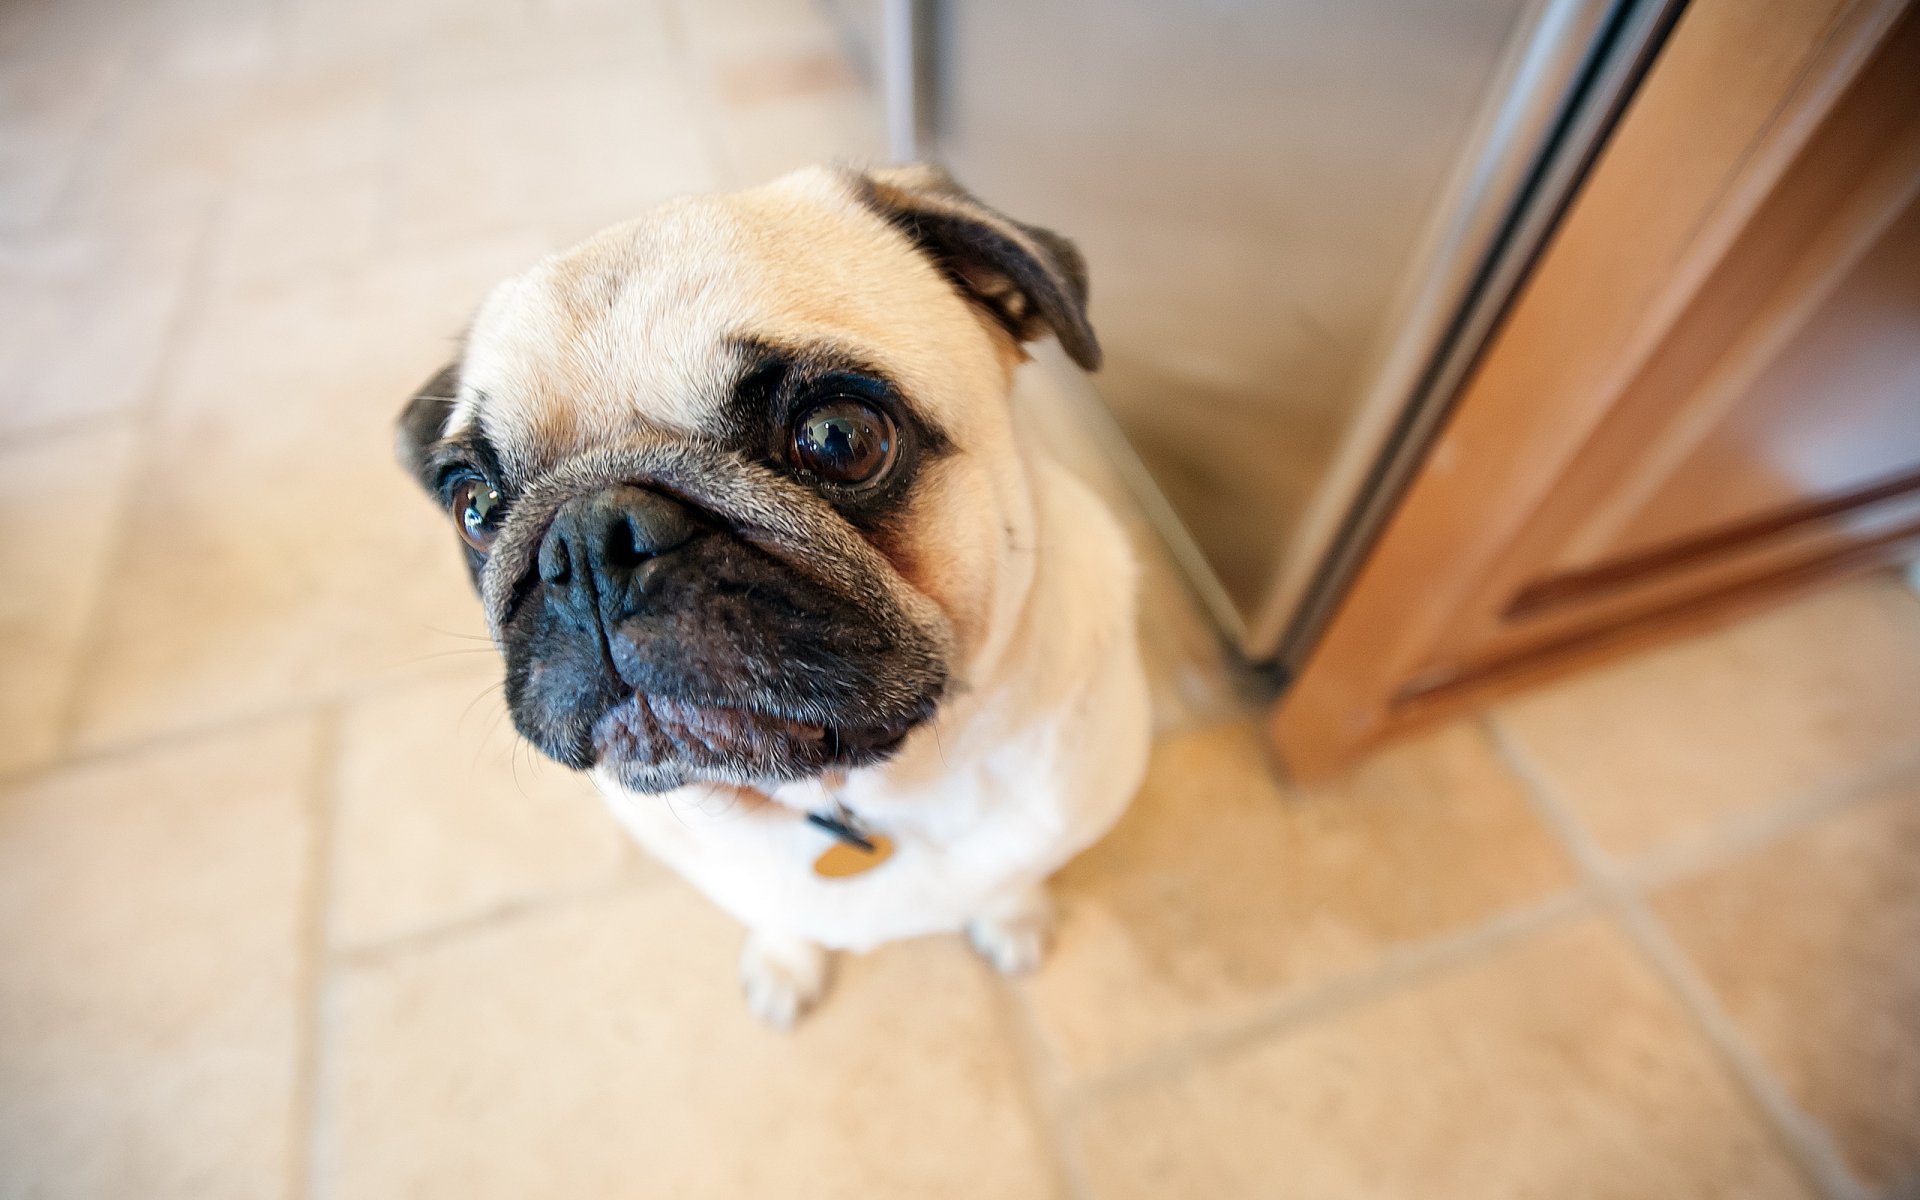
point(1706, 396)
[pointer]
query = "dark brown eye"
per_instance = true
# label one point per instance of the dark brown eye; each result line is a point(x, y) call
point(476, 509)
point(844, 441)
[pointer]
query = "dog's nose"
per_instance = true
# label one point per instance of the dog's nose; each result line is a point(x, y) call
point(601, 548)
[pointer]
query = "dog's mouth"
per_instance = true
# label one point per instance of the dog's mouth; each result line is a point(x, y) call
point(652, 640)
point(652, 742)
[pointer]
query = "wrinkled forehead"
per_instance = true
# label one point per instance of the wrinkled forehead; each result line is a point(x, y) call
point(650, 324)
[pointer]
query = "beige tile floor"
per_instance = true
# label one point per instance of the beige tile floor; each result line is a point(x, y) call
point(285, 912)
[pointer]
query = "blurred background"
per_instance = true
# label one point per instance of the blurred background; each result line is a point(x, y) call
point(1515, 405)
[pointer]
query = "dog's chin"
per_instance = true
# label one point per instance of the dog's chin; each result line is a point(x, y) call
point(655, 743)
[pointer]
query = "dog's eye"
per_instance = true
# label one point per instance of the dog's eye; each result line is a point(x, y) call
point(844, 441)
point(476, 507)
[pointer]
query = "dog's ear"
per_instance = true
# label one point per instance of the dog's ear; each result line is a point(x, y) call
point(1030, 280)
point(424, 419)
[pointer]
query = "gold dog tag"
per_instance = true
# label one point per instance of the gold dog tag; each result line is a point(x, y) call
point(843, 859)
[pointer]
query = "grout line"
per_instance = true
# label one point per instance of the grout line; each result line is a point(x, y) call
point(321, 963)
point(1041, 1090)
point(94, 139)
point(398, 105)
point(692, 70)
point(286, 24)
point(142, 422)
point(86, 760)
point(422, 670)
point(1806, 1142)
point(114, 750)
point(1739, 837)
point(520, 908)
point(28, 438)
point(310, 1033)
point(1393, 970)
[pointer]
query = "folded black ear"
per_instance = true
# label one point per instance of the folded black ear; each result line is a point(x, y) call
point(424, 419)
point(1030, 280)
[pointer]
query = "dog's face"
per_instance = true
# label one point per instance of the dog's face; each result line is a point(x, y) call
point(737, 481)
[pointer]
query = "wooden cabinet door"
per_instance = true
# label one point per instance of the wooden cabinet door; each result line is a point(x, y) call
point(1706, 396)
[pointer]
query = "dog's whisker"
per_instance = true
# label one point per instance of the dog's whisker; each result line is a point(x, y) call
point(939, 747)
point(466, 712)
point(465, 637)
point(438, 654)
point(485, 691)
point(513, 758)
point(675, 812)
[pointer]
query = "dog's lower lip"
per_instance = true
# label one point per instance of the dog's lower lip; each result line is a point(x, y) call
point(677, 707)
point(613, 732)
point(649, 728)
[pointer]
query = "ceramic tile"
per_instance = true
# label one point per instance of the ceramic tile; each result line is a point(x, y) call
point(1669, 747)
point(783, 90)
point(198, 39)
point(162, 150)
point(22, 25)
point(181, 143)
point(58, 498)
point(1810, 945)
point(149, 914)
point(717, 29)
point(1219, 892)
point(1557, 1068)
point(765, 141)
point(443, 813)
point(88, 315)
point(49, 103)
point(310, 124)
point(604, 1051)
point(520, 152)
point(368, 33)
point(749, 80)
point(272, 230)
point(554, 40)
point(276, 552)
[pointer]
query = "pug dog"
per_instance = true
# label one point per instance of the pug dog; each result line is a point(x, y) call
point(768, 554)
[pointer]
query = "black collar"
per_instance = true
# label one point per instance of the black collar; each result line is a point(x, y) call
point(840, 825)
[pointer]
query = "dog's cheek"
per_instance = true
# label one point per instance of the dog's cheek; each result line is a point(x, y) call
point(946, 543)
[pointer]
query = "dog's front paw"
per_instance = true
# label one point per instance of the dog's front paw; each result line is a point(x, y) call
point(783, 977)
point(1014, 937)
